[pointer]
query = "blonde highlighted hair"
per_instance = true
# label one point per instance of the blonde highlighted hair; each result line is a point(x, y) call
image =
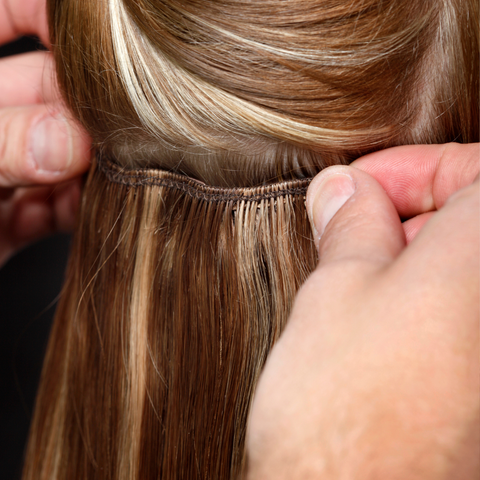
point(208, 119)
point(205, 87)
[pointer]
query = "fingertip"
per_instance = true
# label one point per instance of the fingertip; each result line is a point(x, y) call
point(31, 18)
point(81, 149)
point(58, 147)
point(327, 193)
point(353, 218)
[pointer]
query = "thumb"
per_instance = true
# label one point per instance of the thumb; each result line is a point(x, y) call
point(353, 219)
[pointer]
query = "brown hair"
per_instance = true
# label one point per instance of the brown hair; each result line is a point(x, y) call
point(177, 286)
point(266, 88)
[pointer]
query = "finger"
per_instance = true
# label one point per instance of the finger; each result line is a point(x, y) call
point(419, 178)
point(455, 224)
point(27, 79)
point(448, 247)
point(412, 226)
point(353, 218)
point(39, 146)
point(23, 17)
point(58, 202)
point(35, 212)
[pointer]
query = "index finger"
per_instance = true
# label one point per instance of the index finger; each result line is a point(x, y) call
point(23, 17)
point(420, 178)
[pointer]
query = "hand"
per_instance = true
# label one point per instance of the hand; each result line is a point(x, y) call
point(377, 375)
point(39, 144)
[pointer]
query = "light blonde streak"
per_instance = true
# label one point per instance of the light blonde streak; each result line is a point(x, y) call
point(138, 345)
point(174, 104)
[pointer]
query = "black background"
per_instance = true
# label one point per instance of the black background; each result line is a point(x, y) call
point(29, 285)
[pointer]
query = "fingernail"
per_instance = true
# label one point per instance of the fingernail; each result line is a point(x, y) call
point(328, 197)
point(51, 144)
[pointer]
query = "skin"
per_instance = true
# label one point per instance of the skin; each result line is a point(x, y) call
point(377, 375)
point(43, 151)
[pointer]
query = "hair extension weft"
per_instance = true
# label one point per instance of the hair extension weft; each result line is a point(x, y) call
point(171, 304)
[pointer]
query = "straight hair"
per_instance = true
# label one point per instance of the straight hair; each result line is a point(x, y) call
point(208, 120)
point(172, 301)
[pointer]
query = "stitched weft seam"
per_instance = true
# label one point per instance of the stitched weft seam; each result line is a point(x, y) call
point(195, 188)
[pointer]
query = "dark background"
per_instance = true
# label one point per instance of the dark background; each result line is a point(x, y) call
point(29, 285)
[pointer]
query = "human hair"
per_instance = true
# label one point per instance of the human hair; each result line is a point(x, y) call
point(208, 120)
